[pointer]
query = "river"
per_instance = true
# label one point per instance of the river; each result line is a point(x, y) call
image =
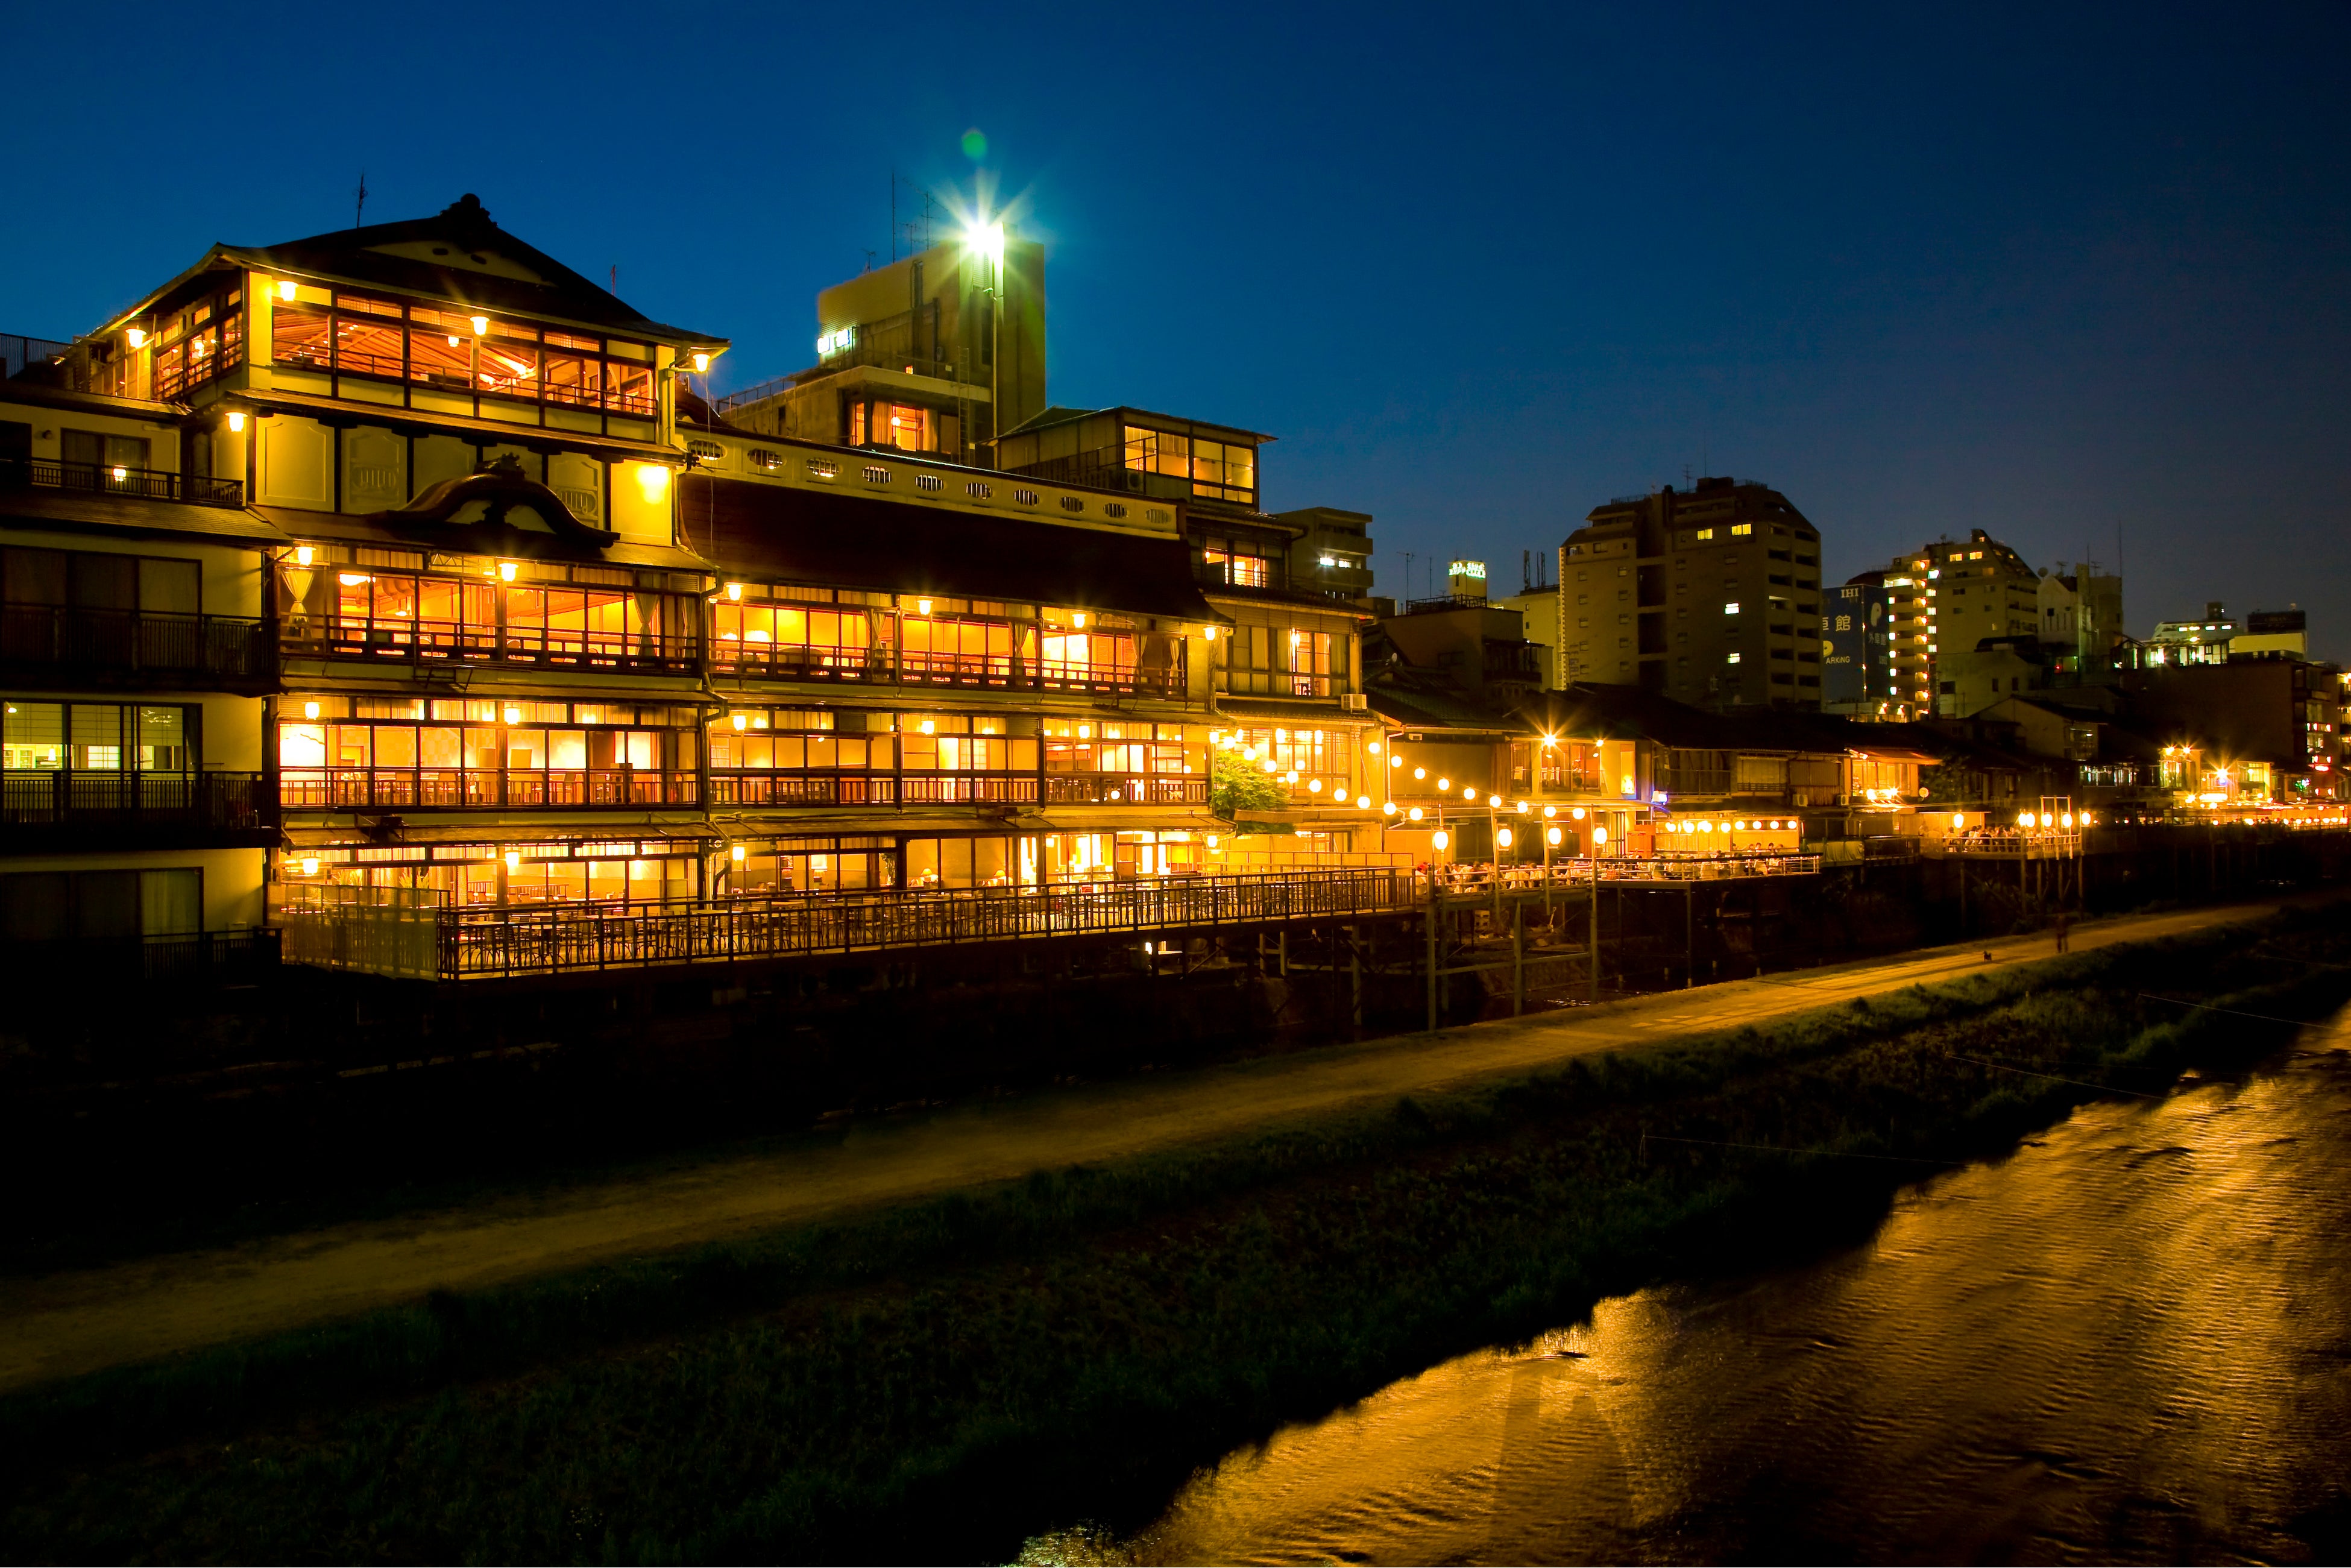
point(2129, 1340)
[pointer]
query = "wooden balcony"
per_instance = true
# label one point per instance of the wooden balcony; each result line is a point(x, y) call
point(65, 810)
point(414, 937)
point(863, 788)
point(472, 789)
point(55, 644)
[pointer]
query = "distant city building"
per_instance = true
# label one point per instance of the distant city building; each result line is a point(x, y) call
point(2204, 640)
point(1856, 647)
point(1952, 595)
point(1710, 597)
point(2272, 634)
point(2081, 615)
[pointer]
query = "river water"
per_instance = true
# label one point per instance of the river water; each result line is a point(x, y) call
point(2130, 1339)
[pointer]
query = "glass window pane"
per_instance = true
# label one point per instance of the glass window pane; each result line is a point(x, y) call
point(97, 743)
point(163, 740)
point(299, 335)
point(35, 736)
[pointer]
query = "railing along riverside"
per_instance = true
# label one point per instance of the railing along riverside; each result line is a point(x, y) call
point(116, 479)
point(1582, 872)
point(2011, 846)
point(880, 663)
point(404, 936)
point(137, 640)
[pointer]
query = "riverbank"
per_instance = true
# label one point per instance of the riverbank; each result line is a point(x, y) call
point(158, 1302)
point(947, 1379)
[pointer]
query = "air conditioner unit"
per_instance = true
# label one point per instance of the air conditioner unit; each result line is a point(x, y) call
point(1353, 702)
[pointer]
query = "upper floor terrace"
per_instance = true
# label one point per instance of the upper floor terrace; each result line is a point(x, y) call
point(447, 315)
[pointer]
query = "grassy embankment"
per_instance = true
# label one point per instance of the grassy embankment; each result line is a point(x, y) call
point(939, 1381)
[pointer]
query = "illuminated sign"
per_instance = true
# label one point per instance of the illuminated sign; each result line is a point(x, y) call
point(1473, 569)
point(835, 342)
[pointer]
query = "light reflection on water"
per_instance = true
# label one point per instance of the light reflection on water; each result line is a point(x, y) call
point(2129, 1340)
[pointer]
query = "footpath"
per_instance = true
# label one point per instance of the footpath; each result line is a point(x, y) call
point(66, 1324)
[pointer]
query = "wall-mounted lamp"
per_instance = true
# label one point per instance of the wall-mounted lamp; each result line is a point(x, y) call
point(286, 288)
point(701, 362)
point(514, 715)
point(303, 555)
point(309, 865)
point(652, 481)
point(505, 572)
point(737, 853)
point(137, 337)
point(741, 721)
point(1079, 620)
point(735, 592)
point(1373, 748)
point(1208, 633)
point(514, 859)
point(1439, 840)
point(928, 726)
point(481, 324)
point(237, 422)
point(310, 710)
point(922, 607)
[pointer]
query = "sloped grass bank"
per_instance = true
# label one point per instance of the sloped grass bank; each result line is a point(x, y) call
point(941, 1381)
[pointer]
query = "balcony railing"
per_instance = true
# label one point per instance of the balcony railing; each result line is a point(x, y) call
point(220, 802)
point(400, 935)
point(112, 479)
point(792, 662)
point(450, 641)
point(137, 642)
point(63, 968)
point(1281, 684)
point(1005, 787)
point(1120, 788)
point(342, 789)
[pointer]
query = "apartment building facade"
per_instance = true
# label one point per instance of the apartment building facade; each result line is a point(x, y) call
point(1711, 598)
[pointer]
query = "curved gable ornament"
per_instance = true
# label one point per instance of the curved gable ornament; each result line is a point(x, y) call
point(500, 498)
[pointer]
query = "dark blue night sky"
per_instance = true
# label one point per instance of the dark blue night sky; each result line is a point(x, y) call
point(2047, 273)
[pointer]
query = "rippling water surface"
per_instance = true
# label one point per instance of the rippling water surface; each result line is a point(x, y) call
point(2130, 1339)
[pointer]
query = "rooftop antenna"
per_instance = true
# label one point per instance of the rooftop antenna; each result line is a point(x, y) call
point(893, 212)
point(616, 279)
point(360, 202)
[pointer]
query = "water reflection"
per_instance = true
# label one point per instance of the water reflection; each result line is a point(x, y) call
point(2131, 1340)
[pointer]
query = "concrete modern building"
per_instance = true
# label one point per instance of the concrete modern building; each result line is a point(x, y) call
point(916, 357)
point(1858, 679)
point(1952, 595)
point(1712, 598)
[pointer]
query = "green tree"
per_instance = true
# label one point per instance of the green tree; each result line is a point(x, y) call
point(1237, 785)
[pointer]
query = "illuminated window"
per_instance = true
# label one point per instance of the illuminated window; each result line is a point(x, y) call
point(1738, 529)
point(1219, 470)
point(1732, 608)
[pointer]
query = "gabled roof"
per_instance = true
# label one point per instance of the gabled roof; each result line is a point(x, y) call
point(457, 254)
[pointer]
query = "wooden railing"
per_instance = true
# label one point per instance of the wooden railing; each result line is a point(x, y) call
point(137, 643)
point(863, 788)
point(453, 641)
point(314, 788)
point(403, 933)
point(226, 803)
point(116, 479)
